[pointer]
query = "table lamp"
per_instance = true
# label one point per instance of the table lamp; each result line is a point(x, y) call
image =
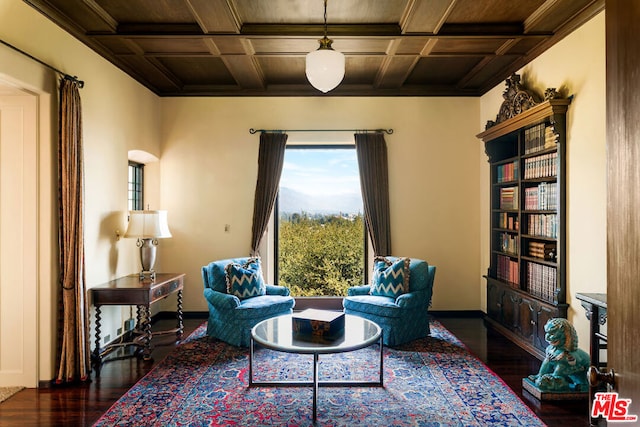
point(148, 226)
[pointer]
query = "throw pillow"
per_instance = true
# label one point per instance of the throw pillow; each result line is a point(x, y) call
point(245, 281)
point(390, 277)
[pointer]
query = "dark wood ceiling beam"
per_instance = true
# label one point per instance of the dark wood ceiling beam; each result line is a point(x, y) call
point(307, 90)
point(462, 83)
point(133, 46)
point(170, 30)
point(57, 16)
point(583, 16)
point(395, 70)
point(98, 35)
point(211, 45)
point(428, 46)
point(507, 45)
point(497, 29)
point(165, 73)
point(550, 10)
point(178, 31)
point(539, 15)
point(214, 16)
point(245, 71)
point(426, 17)
point(316, 30)
point(568, 23)
point(98, 10)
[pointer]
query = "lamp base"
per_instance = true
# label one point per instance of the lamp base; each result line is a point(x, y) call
point(150, 274)
point(147, 257)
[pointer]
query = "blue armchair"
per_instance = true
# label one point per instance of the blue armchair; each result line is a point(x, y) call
point(404, 318)
point(231, 318)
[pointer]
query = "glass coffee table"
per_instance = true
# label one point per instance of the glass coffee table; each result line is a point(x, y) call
point(277, 334)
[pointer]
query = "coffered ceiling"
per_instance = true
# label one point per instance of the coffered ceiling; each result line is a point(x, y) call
point(258, 47)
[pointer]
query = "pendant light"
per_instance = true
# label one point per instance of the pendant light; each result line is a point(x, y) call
point(325, 66)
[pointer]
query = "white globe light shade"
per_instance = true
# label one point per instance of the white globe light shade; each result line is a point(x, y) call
point(325, 69)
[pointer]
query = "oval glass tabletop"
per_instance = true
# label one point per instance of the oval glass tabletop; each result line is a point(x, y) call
point(277, 333)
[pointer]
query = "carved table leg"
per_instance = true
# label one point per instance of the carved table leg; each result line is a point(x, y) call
point(139, 326)
point(180, 324)
point(146, 322)
point(97, 358)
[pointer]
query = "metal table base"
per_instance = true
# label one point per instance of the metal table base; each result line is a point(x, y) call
point(316, 383)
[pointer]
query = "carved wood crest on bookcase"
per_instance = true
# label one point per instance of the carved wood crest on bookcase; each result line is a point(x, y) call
point(518, 99)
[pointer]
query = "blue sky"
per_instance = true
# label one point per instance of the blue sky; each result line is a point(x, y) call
point(321, 172)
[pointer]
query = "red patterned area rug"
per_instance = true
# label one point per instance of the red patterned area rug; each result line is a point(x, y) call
point(432, 382)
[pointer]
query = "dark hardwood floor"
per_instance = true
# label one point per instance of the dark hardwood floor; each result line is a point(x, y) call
point(512, 364)
point(83, 405)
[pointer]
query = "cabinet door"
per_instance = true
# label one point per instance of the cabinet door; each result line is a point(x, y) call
point(544, 314)
point(528, 318)
point(494, 300)
point(510, 309)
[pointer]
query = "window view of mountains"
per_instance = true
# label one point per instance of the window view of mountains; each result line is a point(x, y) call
point(292, 201)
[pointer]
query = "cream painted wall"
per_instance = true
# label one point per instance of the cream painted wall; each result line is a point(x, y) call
point(575, 66)
point(209, 169)
point(118, 115)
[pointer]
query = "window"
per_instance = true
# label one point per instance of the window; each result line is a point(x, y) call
point(320, 240)
point(136, 175)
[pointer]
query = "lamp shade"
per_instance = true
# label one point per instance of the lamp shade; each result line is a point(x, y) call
point(148, 225)
point(325, 68)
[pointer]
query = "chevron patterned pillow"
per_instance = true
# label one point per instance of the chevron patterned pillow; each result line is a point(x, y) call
point(390, 277)
point(245, 281)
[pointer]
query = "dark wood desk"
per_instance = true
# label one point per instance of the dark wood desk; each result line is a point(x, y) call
point(130, 290)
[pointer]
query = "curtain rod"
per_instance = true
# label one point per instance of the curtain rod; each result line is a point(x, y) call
point(387, 131)
point(51, 67)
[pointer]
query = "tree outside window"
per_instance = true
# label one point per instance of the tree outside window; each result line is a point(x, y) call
point(321, 235)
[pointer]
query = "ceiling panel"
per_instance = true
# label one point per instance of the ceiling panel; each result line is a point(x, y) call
point(492, 11)
point(199, 71)
point(146, 11)
point(258, 47)
point(462, 45)
point(441, 70)
point(182, 46)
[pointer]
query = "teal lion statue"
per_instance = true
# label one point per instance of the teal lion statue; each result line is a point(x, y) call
point(564, 368)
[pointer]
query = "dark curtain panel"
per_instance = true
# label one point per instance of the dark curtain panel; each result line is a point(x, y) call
point(270, 162)
point(73, 337)
point(371, 149)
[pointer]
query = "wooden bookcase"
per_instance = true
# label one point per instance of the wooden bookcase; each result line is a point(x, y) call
point(526, 277)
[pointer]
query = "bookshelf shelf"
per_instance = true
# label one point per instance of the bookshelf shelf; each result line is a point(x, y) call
point(526, 276)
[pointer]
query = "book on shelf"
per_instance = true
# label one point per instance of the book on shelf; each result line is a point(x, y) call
point(509, 198)
point(543, 250)
point(542, 197)
point(543, 225)
point(508, 270)
point(509, 243)
point(507, 172)
point(541, 281)
point(545, 165)
point(508, 221)
point(540, 137)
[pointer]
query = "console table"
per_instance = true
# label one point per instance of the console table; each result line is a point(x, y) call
point(595, 306)
point(131, 290)
point(596, 311)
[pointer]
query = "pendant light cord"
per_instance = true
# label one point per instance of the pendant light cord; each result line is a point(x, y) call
point(325, 18)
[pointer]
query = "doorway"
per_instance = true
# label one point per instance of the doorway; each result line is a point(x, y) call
point(18, 237)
